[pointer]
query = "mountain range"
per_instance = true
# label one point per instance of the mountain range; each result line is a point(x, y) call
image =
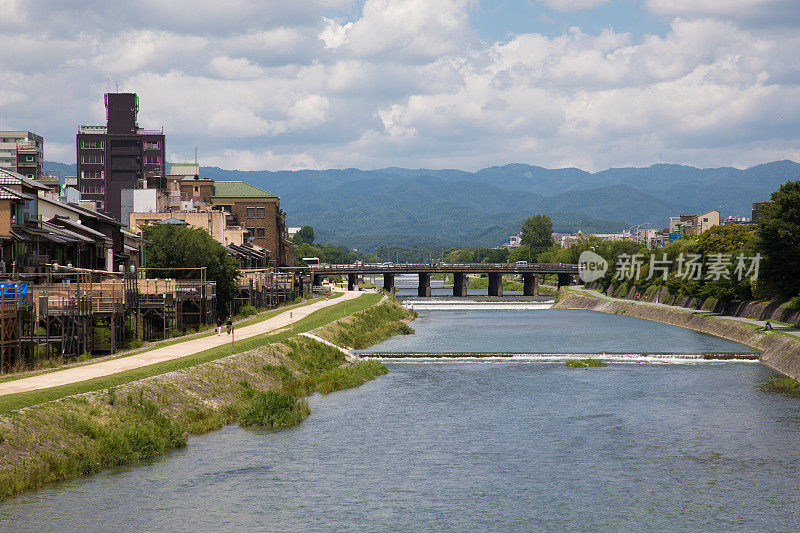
point(396, 206)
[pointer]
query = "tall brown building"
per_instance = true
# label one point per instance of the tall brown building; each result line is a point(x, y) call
point(252, 208)
point(119, 155)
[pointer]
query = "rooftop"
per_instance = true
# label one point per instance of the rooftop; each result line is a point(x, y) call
point(239, 189)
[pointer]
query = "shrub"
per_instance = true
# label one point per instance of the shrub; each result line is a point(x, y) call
point(585, 363)
point(273, 409)
point(247, 310)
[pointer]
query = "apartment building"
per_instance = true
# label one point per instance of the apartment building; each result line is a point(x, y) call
point(119, 155)
point(22, 152)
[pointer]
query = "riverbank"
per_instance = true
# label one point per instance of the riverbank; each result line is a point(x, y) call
point(780, 351)
point(84, 433)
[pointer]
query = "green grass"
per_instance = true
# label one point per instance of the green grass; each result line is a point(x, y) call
point(787, 385)
point(585, 363)
point(371, 326)
point(119, 425)
point(273, 409)
point(177, 340)
point(316, 319)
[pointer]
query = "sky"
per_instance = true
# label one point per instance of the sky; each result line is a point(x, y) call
point(277, 85)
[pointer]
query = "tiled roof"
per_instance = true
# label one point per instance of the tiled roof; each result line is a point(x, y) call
point(8, 194)
point(8, 177)
point(239, 189)
point(173, 222)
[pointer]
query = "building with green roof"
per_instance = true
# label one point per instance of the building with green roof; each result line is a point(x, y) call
point(259, 212)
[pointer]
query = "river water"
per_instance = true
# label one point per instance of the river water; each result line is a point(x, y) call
point(512, 446)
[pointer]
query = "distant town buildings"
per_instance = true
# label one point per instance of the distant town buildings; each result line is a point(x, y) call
point(693, 223)
point(22, 152)
point(235, 213)
point(118, 155)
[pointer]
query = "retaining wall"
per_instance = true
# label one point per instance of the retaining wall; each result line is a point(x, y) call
point(779, 352)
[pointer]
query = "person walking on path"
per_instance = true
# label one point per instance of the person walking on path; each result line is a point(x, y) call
point(219, 326)
point(229, 326)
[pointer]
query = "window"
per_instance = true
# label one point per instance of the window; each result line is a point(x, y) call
point(261, 232)
point(152, 159)
point(252, 231)
point(262, 212)
point(251, 212)
point(92, 159)
point(29, 158)
point(93, 189)
point(705, 220)
point(92, 174)
point(152, 145)
point(93, 144)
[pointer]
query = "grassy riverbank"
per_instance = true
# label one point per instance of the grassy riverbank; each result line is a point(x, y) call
point(120, 420)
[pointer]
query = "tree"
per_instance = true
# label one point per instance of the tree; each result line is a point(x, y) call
point(537, 233)
point(304, 236)
point(779, 241)
point(181, 246)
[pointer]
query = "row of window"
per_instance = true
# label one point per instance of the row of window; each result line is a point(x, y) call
point(152, 145)
point(92, 174)
point(93, 144)
point(152, 159)
point(253, 212)
point(93, 189)
point(91, 159)
point(258, 232)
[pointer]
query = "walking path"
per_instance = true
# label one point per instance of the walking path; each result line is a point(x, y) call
point(174, 351)
point(789, 330)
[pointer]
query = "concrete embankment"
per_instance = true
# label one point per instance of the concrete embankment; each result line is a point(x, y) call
point(87, 432)
point(779, 352)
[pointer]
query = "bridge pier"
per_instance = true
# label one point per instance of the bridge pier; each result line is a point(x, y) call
point(530, 285)
point(424, 284)
point(388, 282)
point(495, 284)
point(459, 284)
point(317, 280)
point(351, 282)
point(564, 279)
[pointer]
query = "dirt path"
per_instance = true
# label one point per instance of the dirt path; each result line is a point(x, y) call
point(174, 351)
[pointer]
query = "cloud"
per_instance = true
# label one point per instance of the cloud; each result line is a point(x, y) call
point(402, 30)
point(407, 83)
point(572, 5)
point(744, 12)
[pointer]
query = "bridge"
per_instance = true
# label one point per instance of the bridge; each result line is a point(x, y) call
point(530, 273)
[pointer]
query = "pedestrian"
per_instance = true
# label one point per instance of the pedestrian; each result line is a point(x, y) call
point(767, 326)
point(219, 326)
point(326, 295)
point(229, 326)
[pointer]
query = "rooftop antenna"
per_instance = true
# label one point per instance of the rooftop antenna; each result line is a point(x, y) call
point(116, 87)
point(195, 155)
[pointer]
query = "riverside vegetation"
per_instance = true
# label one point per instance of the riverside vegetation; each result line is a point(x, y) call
point(264, 386)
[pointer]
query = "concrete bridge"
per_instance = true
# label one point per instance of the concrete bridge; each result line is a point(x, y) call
point(530, 273)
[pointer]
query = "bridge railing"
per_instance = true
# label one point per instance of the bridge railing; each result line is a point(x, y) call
point(446, 267)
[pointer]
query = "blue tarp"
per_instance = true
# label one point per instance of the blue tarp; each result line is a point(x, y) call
point(9, 289)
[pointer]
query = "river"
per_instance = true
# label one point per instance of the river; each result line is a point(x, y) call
point(511, 446)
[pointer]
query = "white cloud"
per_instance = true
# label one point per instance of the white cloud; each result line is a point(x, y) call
point(405, 82)
point(406, 30)
point(745, 12)
point(572, 5)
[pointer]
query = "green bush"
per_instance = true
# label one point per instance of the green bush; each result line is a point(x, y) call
point(247, 310)
point(273, 409)
point(585, 363)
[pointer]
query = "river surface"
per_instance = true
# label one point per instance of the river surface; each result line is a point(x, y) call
point(475, 446)
point(549, 331)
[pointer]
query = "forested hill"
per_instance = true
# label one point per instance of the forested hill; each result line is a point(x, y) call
point(366, 208)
